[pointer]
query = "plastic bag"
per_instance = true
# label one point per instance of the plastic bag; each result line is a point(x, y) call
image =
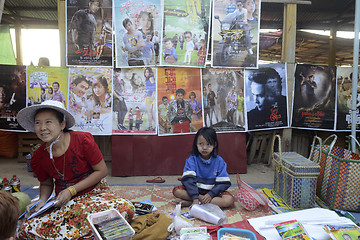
point(248, 197)
point(209, 213)
point(178, 222)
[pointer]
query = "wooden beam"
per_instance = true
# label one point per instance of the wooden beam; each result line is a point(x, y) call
point(19, 57)
point(62, 31)
point(1, 8)
point(332, 47)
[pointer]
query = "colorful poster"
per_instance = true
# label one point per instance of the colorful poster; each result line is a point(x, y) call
point(47, 83)
point(266, 97)
point(223, 99)
point(344, 93)
point(89, 33)
point(235, 33)
point(314, 97)
point(12, 95)
point(134, 110)
point(90, 99)
point(138, 31)
point(179, 100)
point(185, 40)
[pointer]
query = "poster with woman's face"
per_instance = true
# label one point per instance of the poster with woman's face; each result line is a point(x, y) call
point(47, 83)
point(134, 108)
point(138, 31)
point(235, 33)
point(90, 99)
point(12, 95)
point(185, 38)
point(266, 97)
point(223, 99)
point(89, 33)
point(344, 99)
point(179, 100)
point(314, 97)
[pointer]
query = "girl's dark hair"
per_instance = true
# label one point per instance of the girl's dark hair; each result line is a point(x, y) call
point(104, 83)
point(59, 116)
point(210, 136)
point(151, 73)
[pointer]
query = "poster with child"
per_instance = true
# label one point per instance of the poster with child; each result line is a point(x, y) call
point(185, 33)
point(138, 30)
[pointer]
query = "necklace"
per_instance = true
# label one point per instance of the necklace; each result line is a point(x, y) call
point(62, 175)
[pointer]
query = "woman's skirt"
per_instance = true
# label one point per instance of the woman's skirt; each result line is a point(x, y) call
point(70, 221)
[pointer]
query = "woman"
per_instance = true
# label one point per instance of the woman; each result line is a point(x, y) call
point(250, 7)
point(70, 163)
point(146, 23)
point(102, 95)
point(196, 106)
point(150, 97)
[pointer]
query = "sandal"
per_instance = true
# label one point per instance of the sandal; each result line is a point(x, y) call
point(156, 180)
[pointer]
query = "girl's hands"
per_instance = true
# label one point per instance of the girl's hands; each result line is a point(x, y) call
point(206, 199)
point(63, 198)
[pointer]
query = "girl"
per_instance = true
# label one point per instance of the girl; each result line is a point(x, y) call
point(49, 94)
point(102, 95)
point(205, 178)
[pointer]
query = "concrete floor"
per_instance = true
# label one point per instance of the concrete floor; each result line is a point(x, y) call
point(256, 174)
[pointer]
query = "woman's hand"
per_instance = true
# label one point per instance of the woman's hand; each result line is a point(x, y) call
point(63, 197)
point(35, 209)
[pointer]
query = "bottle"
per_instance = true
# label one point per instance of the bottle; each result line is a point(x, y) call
point(15, 184)
point(3, 182)
point(6, 187)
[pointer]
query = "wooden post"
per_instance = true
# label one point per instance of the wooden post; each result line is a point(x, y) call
point(62, 31)
point(2, 2)
point(288, 56)
point(332, 50)
point(19, 57)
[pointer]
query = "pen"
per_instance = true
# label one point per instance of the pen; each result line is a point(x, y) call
point(33, 207)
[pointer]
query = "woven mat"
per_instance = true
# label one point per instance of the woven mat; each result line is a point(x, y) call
point(164, 200)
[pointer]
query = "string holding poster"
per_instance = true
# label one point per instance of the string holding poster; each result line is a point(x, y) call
point(266, 97)
point(185, 40)
point(90, 99)
point(138, 31)
point(89, 33)
point(12, 95)
point(47, 83)
point(134, 110)
point(314, 97)
point(344, 93)
point(223, 99)
point(179, 100)
point(235, 33)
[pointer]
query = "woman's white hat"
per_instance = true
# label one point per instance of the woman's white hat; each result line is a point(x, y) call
point(26, 116)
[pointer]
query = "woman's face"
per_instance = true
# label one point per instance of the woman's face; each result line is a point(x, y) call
point(47, 126)
point(99, 90)
point(50, 90)
point(145, 22)
point(250, 6)
point(147, 73)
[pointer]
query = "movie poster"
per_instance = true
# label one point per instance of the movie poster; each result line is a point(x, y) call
point(185, 40)
point(179, 100)
point(314, 97)
point(89, 33)
point(90, 99)
point(223, 99)
point(134, 109)
point(344, 93)
point(235, 33)
point(138, 32)
point(47, 83)
point(266, 97)
point(12, 95)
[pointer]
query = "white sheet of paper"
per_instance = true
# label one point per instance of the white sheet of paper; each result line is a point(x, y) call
point(313, 220)
point(43, 209)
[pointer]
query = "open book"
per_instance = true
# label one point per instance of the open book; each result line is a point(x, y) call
point(46, 207)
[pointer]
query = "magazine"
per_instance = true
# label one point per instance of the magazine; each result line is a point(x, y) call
point(343, 232)
point(292, 230)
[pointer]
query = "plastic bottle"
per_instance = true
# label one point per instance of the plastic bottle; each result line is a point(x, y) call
point(6, 187)
point(3, 182)
point(15, 184)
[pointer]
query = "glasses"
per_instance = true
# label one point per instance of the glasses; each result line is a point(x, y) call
point(239, 4)
point(187, 37)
